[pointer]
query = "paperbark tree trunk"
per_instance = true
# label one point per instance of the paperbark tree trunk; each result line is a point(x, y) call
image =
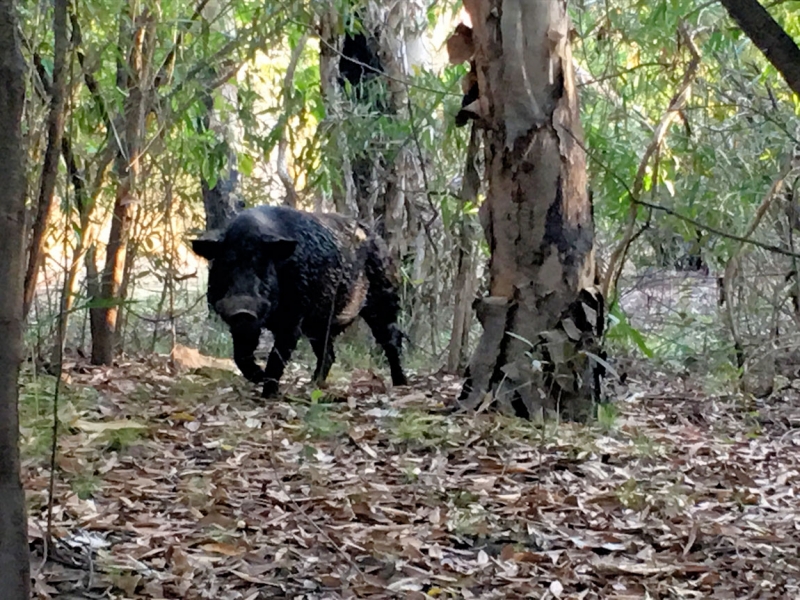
point(14, 558)
point(330, 49)
point(221, 202)
point(543, 316)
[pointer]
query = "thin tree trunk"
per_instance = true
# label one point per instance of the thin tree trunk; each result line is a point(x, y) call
point(14, 557)
point(330, 49)
point(126, 289)
point(543, 314)
point(136, 81)
point(221, 202)
point(465, 277)
point(87, 239)
point(55, 130)
point(765, 32)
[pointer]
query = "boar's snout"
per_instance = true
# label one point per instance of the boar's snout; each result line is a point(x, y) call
point(239, 310)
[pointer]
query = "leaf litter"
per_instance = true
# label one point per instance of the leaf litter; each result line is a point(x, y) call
point(183, 483)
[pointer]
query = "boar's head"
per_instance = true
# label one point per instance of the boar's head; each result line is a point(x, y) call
point(243, 287)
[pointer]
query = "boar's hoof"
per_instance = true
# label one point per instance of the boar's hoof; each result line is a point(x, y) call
point(270, 388)
point(252, 374)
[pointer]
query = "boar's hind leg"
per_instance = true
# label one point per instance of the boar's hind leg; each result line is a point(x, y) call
point(382, 307)
point(322, 344)
point(285, 343)
point(390, 338)
point(380, 313)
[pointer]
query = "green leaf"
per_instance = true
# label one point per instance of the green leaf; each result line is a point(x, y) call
point(246, 164)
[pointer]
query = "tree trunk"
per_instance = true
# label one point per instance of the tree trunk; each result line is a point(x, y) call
point(14, 558)
point(222, 201)
point(543, 314)
point(84, 204)
point(135, 79)
point(55, 130)
point(465, 277)
point(402, 23)
point(769, 37)
point(291, 198)
point(330, 48)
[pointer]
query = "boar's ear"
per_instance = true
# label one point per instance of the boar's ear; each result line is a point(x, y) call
point(279, 249)
point(207, 248)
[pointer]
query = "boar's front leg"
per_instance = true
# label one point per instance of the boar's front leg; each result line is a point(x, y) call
point(285, 343)
point(245, 342)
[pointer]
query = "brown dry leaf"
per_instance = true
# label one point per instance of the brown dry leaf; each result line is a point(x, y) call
point(386, 497)
point(226, 549)
point(460, 45)
point(191, 358)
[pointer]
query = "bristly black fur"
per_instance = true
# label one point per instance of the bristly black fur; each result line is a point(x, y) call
point(298, 273)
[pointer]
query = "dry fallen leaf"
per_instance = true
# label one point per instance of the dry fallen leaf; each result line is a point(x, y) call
point(460, 45)
point(210, 492)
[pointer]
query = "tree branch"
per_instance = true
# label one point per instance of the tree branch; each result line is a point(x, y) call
point(617, 259)
point(769, 37)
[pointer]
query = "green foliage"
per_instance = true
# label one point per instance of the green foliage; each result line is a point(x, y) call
point(320, 422)
point(620, 330)
point(421, 429)
point(607, 416)
point(710, 167)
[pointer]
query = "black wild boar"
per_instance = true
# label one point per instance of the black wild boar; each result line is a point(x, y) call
point(298, 273)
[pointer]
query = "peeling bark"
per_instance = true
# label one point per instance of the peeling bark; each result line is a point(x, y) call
point(14, 561)
point(329, 56)
point(543, 315)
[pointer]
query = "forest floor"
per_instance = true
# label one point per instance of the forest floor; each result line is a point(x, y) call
point(186, 485)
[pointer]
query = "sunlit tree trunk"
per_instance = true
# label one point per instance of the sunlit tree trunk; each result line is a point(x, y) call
point(401, 24)
point(542, 315)
point(134, 78)
point(14, 561)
